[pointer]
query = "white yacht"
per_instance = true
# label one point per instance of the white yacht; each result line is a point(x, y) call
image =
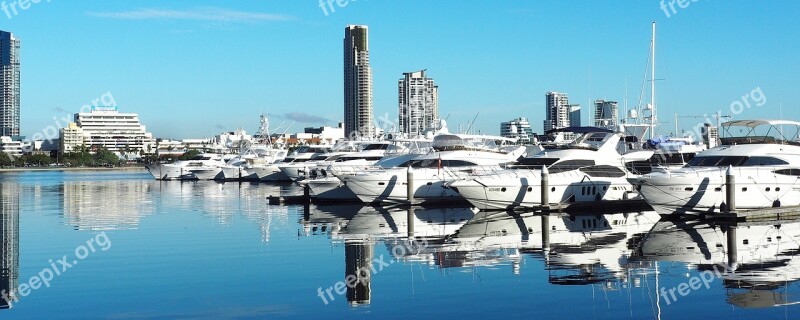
point(211, 170)
point(455, 155)
point(262, 151)
point(588, 169)
point(297, 171)
point(186, 169)
point(271, 172)
point(325, 185)
point(764, 162)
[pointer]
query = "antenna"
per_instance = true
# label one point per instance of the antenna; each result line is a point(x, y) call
point(653, 114)
point(473, 122)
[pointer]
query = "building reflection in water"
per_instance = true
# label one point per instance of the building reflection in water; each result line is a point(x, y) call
point(9, 226)
point(756, 271)
point(358, 256)
point(106, 205)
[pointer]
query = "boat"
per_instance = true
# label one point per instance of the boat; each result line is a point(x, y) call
point(453, 155)
point(763, 160)
point(186, 169)
point(262, 151)
point(324, 182)
point(588, 169)
point(303, 154)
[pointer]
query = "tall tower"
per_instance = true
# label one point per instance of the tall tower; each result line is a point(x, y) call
point(357, 83)
point(418, 98)
point(558, 111)
point(606, 114)
point(9, 84)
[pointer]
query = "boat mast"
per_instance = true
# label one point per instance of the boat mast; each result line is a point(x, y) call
point(653, 117)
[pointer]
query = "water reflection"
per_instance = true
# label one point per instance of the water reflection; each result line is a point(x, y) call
point(757, 261)
point(9, 232)
point(106, 205)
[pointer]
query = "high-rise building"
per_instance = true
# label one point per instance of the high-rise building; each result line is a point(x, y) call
point(606, 114)
point(557, 111)
point(575, 115)
point(518, 128)
point(418, 99)
point(357, 83)
point(9, 85)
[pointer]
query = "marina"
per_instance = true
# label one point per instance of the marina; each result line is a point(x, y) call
point(168, 234)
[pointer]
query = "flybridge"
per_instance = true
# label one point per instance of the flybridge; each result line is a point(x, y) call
point(451, 142)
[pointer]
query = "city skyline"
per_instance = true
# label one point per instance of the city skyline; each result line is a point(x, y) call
point(302, 81)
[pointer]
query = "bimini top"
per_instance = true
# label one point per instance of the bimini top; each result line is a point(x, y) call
point(760, 132)
point(756, 123)
point(579, 130)
point(449, 142)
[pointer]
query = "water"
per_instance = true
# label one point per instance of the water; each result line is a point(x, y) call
point(154, 249)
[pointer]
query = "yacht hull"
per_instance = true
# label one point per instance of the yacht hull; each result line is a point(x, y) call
point(391, 186)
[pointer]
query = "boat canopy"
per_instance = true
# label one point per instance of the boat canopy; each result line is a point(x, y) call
point(760, 132)
point(448, 142)
point(579, 130)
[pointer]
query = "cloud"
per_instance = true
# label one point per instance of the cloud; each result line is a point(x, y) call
point(213, 14)
point(305, 117)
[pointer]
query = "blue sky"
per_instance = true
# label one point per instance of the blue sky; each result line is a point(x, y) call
point(195, 68)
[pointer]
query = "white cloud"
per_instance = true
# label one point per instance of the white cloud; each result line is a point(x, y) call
point(213, 14)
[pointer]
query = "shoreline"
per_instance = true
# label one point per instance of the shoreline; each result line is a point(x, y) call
point(126, 168)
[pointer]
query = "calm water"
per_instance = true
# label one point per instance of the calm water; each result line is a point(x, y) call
point(138, 248)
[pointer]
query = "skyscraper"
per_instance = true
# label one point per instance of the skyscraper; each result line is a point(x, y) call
point(418, 102)
point(606, 114)
point(357, 83)
point(9, 84)
point(557, 111)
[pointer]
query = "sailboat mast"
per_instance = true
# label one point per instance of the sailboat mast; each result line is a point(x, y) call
point(653, 117)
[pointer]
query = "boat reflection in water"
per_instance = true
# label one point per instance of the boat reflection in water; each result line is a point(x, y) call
point(756, 261)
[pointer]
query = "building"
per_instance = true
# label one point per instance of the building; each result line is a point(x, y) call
point(557, 112)
point(575, 115)
point(12, 146)
point(71, 138)
point(418, 98)
point(329, 134)
point(606, 114)
point(518, 128)
point(9, 85)
point(357, 83)
point(105, 127)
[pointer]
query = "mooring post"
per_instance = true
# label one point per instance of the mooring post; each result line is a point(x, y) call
point(410, 185)
point(545, 187)
point(730, 190)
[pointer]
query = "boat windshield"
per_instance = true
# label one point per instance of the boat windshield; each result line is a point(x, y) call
point(451, 142)
point(376, 146)
point(736, 161)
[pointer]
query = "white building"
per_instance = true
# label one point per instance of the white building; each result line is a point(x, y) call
point(418, 98)
point(518, 128)
point(606, 114)
point(71, 138)
point(11, 146)
point(105, 127)
point(557, 112)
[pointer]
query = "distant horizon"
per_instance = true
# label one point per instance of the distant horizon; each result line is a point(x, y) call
point(193, 71)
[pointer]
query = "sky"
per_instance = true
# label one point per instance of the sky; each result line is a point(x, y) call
point(197, 68)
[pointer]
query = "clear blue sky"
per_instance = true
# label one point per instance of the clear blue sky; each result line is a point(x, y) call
point(193, 68)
